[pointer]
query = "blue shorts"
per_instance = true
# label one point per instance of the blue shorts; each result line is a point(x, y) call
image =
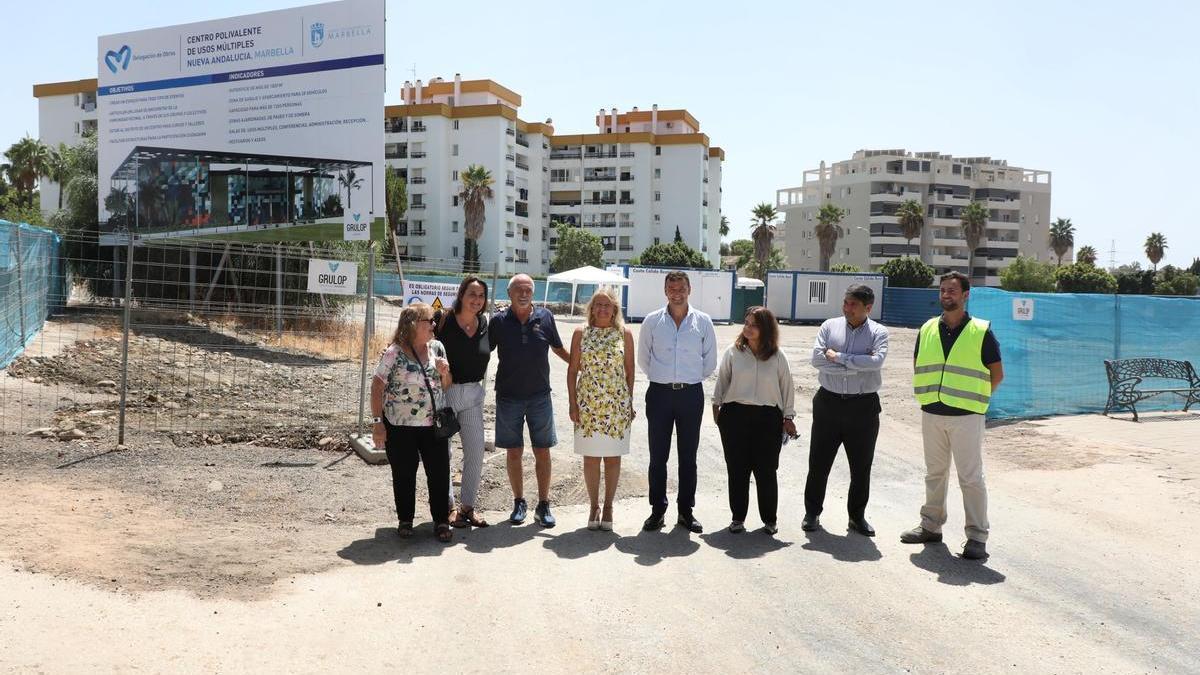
point(513, 413)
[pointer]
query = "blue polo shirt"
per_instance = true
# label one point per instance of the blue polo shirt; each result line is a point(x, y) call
point(524, 365)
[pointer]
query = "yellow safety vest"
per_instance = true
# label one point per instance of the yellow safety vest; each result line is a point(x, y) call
point(959, 380)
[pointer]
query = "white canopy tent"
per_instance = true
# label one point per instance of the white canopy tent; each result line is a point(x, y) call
point(586, 276)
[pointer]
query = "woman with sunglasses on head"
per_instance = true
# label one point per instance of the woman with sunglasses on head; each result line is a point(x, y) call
point(406, 392)
point(463, 331)
point(753, 404)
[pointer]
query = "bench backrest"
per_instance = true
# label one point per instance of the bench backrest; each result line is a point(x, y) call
point(1124, 369)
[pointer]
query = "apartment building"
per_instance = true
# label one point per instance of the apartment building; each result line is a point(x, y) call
point(639, 177)
point(871, 185)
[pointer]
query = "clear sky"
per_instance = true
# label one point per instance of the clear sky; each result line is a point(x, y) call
point(1105, 95)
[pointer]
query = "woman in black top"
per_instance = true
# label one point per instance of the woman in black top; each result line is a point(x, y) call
point(463, 332)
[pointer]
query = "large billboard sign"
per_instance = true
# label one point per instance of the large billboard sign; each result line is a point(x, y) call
point(264, 127)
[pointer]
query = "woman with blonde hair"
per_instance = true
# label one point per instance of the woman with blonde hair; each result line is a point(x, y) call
point(600, 386)
point(406, 393)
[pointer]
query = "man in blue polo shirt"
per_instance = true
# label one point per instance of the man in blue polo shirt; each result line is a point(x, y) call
point(523, 335)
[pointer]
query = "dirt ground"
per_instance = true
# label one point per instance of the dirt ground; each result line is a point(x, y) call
point(219, 541)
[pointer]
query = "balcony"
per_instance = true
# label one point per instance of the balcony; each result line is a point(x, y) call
point(394, 126)
point(626, 176)
point(417, 207)
point(417, 180)
point(522, 210)
point(570, 202)
point(522, 141)
point(565, 154)
point(602, 154)
point(607, 224)
point(625, 223)
point(510, 157)
point(418, 233)
point(629, 200)
point(419, 154)
point(600, 177)
point(417, 127)
point(524, 237)
point(510, 234)
point(510, 208)
point(706, 179)
point(625, 247)
point(626, 153)
point(523, 260)
point(508, 258)
point(510, 131)
point(510, 182)
point(523, 166)
point(705, 202)
point(600, 201)
point(396, 154)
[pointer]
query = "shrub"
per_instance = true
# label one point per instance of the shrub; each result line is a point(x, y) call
point(907, 272)
point(1027, 275)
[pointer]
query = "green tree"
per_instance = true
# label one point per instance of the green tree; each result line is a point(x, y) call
point(57, 169)
point(911, 219)
point(1133, 280)
point(974, 226)
point(1086, 255)
point(907, 272)
point(78, 219)
point(1027, 275)
point(724, 229)
point(828, 231)
point(396, 205)
point(1081, 278)
point(774, 261)
point(1171, 280)
point(674, 254)
point(743, 249)
point(1062, 237)
point(28, 158)
point(763, 232)
point(678, 236)
point(845, 268)
point(577, 247)
point(476, 191)
point(1194, 268)
point(1156, 246)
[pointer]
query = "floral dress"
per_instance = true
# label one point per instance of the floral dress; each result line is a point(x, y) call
point(603, 398)
point(405, 399)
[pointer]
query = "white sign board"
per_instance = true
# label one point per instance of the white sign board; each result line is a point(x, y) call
point(356, 225)
point(711, 291)
point(1022, 309)
point(333, 277)
point(431, 293)
point(259, 122)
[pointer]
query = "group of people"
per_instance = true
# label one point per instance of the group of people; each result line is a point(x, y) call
point(440, 362)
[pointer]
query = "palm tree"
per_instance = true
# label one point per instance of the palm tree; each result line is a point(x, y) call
point(828, 231)
point(29, 158)
point(763, 231)
point(1086, 255)
point(350, 182)
point(1156, 245)
point(396, 196)
point(58, 170)
point(1062, 237)
point(912, 220)
point(476, 189)
point(974, 225)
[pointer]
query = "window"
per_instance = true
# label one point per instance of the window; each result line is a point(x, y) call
point(657, 196)
point(454, 148)
point(454, 226)
point(956, 169)
point(658, 173)
point(657, 218)
point(454, 200)
point(453, 175)
point(453, 251)
point(455, 121)
point(658, 149)
point(656, 240)
point(817, 291)
point(912, 165)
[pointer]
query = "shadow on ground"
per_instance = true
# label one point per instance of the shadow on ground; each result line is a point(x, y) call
point(953, 569)
point(850, 547)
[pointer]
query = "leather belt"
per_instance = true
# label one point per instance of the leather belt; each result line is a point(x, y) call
point(677, 385)
point(847, 397)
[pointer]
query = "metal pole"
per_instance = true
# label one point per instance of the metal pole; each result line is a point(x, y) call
point(192, 278)
point(279, 290)
point(495, 291)
point(368, 328)
point(20, 285)
point(125, 338)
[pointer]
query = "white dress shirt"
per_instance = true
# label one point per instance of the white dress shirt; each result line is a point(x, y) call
point(686, 354)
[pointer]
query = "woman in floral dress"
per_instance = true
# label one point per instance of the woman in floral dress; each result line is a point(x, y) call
point(600, 385)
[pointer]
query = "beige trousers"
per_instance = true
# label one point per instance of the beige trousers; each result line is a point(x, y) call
point(960, 437)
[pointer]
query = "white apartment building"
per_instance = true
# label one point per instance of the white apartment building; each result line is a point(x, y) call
point(632, 183)
point(871, 185)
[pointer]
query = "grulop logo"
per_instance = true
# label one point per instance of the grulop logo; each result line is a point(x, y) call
point(118, 59)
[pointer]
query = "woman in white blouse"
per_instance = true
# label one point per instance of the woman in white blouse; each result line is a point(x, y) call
point(753, 407)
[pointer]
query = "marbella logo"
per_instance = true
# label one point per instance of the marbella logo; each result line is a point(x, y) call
point(316, 34)
point(118, 59)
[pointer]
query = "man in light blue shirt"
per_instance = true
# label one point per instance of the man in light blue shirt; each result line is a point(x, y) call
point(677, 349)
point(848, 354)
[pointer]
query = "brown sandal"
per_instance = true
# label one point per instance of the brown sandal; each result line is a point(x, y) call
point(469, 516)
point(443, 533)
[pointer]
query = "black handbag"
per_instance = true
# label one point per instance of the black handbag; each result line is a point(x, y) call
point(445, 422)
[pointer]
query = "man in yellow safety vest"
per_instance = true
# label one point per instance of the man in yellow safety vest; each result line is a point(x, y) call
point(956, 368)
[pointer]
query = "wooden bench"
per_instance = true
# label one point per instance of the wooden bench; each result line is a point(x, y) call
point(1127, 380)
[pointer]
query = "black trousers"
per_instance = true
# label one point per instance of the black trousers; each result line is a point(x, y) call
point(849, 422)
point(406, 448)
point(680, 411)
point(752, 436)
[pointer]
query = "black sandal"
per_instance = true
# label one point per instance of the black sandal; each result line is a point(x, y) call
point(467, 516)
point(443, 533)
point(405, 530)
